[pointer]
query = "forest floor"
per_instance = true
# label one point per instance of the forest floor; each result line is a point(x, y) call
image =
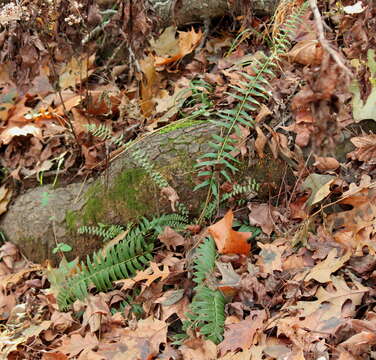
point(289, 278)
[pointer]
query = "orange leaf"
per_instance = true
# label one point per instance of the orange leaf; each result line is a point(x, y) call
point(229, 241)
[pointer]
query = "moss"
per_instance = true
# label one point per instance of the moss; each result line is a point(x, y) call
point(180, 125)
point(71, 220)
point(128, 188)
point(94, 204)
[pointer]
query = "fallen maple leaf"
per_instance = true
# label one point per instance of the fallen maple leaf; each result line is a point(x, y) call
point(229, 241)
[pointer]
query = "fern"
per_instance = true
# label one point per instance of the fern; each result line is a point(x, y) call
point(207, 310)
point(121, 261)
point(249, 93)
point(250, 188)
point(204, 262)
point(106, 232)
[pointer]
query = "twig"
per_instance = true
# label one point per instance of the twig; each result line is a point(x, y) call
point(324, 43)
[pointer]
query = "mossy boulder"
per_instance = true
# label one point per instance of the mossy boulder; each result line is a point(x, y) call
point(43, 217)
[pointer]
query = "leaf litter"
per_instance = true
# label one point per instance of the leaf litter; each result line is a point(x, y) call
point(286, 299)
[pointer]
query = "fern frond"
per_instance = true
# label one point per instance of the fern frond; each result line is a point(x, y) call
point(204, 262)
point(248, 93)
point(208, 313)
point(142, 160)
point(106, 232)
point(121, 261)
point(250, 188)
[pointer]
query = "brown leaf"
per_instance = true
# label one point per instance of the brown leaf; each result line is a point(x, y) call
point(270, 258)
point(73, 345)
point(152, 273)
point(229, 241)
point(241, 335)
point(326, 163)
point(261, 215)
point(171, 195)
point(198, 349)
point(260, 143)
point(171, 238)
point(306, 52)
point(366, 148)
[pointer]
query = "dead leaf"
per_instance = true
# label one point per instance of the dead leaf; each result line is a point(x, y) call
point(270, 258)
point(326, 163)
point(262, 215)
point(306, 52)
point(171, 238)
point(319, 186)
point(171, 195)
point(240, 336)
point(229, 241)
point(152, 273)
point(76, 71)
point(8, 134)
point(366, 148)
point(260, 143)
point(323, 270)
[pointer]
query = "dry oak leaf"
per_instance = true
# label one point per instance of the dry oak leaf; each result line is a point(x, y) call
point(171, 238)
point(229, 241)
point(152, 273)
point(270, 258)
point(198, 349)
point(323, 270)
point(366, 148)
point(241, 335)
point(152, 330)
point(74, 344)
point(263, 215)
point(5, 196)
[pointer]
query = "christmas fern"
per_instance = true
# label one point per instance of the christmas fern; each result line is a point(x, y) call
point(220, 162)
point(120, 261)
point(207, 310)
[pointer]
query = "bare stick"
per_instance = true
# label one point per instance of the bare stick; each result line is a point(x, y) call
point(324, 43)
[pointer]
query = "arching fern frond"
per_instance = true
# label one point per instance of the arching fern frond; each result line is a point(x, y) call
point(106, 232)
point(121, 261)
point(249, 92)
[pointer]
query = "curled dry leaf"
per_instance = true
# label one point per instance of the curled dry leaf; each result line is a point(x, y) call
point(171, 238)
point(5, 196)
point(171, 195)
point(229, 241)
point(326, 163)
point(306, 52)
point(366, 148)
point(260, 143)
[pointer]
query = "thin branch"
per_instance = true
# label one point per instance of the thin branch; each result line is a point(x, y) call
point(324, 43)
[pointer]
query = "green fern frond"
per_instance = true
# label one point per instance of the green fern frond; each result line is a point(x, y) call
point(121, 261)
point(204, 262)
point(250, 188)
point(248, 93)
point(143, 161)
point(106, 232)
point(208, 313)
